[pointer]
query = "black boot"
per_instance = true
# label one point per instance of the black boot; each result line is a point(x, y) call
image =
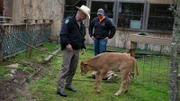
point(62, 93)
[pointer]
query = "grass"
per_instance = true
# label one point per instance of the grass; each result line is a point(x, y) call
point(150, 85)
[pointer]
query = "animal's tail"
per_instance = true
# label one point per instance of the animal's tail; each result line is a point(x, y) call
point(136, 66)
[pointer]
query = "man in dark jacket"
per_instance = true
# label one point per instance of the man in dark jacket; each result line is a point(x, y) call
point(101, 30)
point(72, 37)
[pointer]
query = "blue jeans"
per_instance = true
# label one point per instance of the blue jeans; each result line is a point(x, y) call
point(100, 46)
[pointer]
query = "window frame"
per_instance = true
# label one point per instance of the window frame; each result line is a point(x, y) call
point(147, 17)
point(114, 10)
point(73, 9)
point(135, 2)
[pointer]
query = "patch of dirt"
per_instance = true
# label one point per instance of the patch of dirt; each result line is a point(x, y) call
point(8, 87)
point(18, 85)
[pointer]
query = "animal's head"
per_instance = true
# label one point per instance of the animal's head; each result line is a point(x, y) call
point(84, 67)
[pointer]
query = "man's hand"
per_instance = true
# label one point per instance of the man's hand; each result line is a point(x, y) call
point(69, 47)
point(83, 51)
point(93, 38)
point(106, 38)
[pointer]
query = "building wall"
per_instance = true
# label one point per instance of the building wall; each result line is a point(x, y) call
point(8, 6)
point(121, 40)
point(121, 37)
point(162, 1)
point(54, 9)
point(36, 9)
point(152, 1)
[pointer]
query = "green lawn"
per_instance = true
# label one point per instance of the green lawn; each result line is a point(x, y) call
point(150, 85)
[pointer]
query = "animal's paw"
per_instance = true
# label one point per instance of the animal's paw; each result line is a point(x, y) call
point(98, 91)
point(116, 94)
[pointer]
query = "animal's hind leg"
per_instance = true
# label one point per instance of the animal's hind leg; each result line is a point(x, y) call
point(123, 83)
point(122, 86)
point(130, 78)
point(127, 87)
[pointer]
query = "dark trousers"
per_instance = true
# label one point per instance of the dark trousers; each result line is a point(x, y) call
point(100, 46)
point(68, 69)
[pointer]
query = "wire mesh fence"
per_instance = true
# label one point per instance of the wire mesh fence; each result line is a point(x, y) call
point(154, 62)
point(15, 38)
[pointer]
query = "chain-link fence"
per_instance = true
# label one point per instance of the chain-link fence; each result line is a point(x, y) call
point(154, 63)
point(15, 38)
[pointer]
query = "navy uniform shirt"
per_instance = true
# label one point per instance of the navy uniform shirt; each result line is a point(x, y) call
point(72, 33)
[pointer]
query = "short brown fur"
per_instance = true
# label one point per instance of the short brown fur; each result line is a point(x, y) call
point(104, 62)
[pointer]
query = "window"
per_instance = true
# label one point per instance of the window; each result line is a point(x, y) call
point(107, 6)
point(130, 15)
point(160, 18)
point(70, 6)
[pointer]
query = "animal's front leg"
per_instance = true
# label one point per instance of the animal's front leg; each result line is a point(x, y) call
point(98, 83)
point(96, 80)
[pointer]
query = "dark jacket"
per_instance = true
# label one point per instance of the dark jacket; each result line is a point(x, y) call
point(102, 29)
point(72, 34)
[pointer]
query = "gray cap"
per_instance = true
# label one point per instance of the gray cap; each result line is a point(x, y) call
point(100, 11)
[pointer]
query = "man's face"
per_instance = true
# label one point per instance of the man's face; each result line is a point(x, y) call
point(99, 16)
point(80, 16)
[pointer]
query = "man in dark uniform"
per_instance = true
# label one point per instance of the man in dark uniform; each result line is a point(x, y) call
point(72, 37)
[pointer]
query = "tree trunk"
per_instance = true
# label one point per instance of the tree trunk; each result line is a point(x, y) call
point(173, 81)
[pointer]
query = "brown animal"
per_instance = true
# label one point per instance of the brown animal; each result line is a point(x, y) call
point(104, 62)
